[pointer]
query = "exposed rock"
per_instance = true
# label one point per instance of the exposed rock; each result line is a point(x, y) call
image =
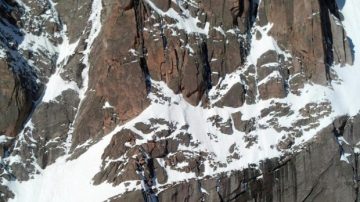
point(15, 102)
point(130, 196)
point(296, 83)
point(224, 126)
point(297, 25)
point(51, 122)
point(352, 130)
point(249, 78)
point(144, 128)
point(280, 181)
point(161, 174)
point(5, 193)
point(75, 15)
point(122, 74)
point(242, 125)
point(159, 149)
point(273, 88)
point(117, 146)
point(235, 97)
point(137, 47)
point(268, 57)
point(277, 110)
point(183, 192)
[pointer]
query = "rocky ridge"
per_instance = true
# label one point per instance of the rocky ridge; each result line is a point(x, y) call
point(209, 90)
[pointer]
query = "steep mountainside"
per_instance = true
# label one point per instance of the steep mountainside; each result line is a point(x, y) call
point(179, 100)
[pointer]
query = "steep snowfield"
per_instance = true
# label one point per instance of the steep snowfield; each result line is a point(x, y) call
point(346, 96)
point(69, 180)
point(72, 180)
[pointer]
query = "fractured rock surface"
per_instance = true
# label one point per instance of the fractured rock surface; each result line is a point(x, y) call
point(184, 100)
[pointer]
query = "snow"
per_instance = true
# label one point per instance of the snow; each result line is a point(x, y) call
point(2, 53)
point(56, 86)
point(65, 49)
point(204, 191)
point(4, 138)
point(185, 21)
point(220, 29)
point(273, 75)
point(266, 43)
point(95, 20)
point(181, 112)
point(259, 47)
point(344, 157)
point(35, 43)
point(346, 94)
point(72, 180)
point(107, 105)
point(342, 140)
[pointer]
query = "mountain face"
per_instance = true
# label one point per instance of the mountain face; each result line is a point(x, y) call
point(184, 100)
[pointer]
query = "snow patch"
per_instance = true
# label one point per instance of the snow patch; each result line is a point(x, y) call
point(70, 180)
point(184, 21)
point(95, 20)
point(107, 105)
point(273, 75)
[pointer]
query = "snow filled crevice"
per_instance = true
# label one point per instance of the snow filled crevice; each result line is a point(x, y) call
point(95, 23)
point(95, 20)
point(56, 84)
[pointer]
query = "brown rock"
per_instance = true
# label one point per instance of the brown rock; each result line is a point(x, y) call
point(273, 88)
point(297, 25)
point(242, 125)
point(117, 146)
point(114, 72)
point(15, 102)
point(161, 174)
point(235, 97)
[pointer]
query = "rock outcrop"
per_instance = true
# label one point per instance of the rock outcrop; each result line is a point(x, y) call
point(319, 172)
point(15, 102)
point(186, 100)
point(308, 29)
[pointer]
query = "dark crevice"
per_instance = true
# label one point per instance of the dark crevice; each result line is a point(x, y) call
point(140, 10)
point(147, 181)
point(356, 176)
point(327, 8)
point(245, 37)
point(338, 132)
point(163, 37)
point(206, 65)
point(352, 48)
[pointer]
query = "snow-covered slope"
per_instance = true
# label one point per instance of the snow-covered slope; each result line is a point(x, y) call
point(215, 141)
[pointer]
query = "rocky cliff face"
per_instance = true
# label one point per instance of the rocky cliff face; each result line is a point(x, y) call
point(186, 100)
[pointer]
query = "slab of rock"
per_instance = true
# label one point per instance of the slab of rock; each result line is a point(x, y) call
point(235, 97)
point(15, 102)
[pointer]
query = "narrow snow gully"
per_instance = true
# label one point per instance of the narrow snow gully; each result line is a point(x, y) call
point(95, 28)
point(146, 172)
